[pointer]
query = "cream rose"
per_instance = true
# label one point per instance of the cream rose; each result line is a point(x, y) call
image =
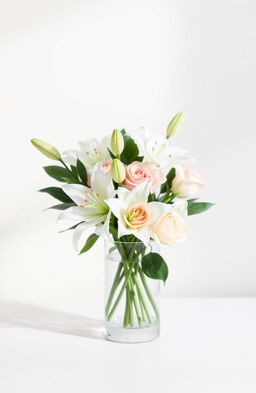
point(137, 172)
point(186, 183)
point(172, 227)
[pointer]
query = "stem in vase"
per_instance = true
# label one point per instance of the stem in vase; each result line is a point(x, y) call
point(116, 282)
point(121, 292)
point(152, 301)
point(142, 301)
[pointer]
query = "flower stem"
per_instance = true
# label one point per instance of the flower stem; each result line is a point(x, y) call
point(152, 301)
point(142, 300)
point(115, 284)
point(121, 291)
point(136, 306)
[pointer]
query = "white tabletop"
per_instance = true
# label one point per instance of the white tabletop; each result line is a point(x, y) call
point(206, 345)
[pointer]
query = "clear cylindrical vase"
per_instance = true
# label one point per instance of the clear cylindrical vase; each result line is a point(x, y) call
point(131, 298)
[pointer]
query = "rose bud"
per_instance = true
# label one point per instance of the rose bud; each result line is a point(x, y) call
point(47, 149)
point(187, 183)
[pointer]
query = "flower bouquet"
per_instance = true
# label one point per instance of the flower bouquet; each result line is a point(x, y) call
point(134, 190)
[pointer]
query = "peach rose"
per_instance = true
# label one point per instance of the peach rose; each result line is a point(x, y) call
point(172, 227)
point(186, 184)
point(139, 215)
point(137, 172)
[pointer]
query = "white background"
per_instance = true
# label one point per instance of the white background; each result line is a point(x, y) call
point(71, 70)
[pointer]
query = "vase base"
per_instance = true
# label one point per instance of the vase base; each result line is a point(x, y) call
point(134, 335)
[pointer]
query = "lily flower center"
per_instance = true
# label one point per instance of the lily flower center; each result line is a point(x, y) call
point(94, 201)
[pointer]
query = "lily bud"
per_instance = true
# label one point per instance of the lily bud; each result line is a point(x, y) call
point(48, 150)
point(117, 171)
point(174, 124)
point(117, 142)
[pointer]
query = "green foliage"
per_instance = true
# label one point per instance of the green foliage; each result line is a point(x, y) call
point(81, 171)
point(62, 206)
point(154, 266)
point(57, 193)
point(58, 173)
point(139, 158)
point(71, 180)
point(130, 152)
point(198, 207)
point(70, 228)
point(166, 187)
point(74, 171)
point(111, 154)
point(89, 243)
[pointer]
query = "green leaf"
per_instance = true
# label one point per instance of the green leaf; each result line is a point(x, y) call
point(198, 207)
point(139, 158)
point(89, 243)
point(168, 184)
point(111, 154)
point(152, 197)
point(74, 171)
point(81, 170)
point(71, 180)
point(70, 228)
point(57, 193)
point(130, 152)
point(57, 172)
point(62, 206)
point(154, 266)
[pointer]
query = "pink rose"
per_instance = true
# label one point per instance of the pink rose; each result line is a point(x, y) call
point(137, 172)
point(186, 184)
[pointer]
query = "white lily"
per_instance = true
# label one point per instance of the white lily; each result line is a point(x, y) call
point(91, 209)
point(90, 152)
point(158, 150)
point(133, 212)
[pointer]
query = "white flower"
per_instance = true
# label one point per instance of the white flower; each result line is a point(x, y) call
point(186, 184)
point(158, 150)
point(91, 208)
point(133, 212)
point(171, 227)
point(90, 153)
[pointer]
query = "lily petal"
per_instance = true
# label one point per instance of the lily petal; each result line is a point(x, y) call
point(74, 213)
point(103, 229)
point(77, 192)
point(78, 232)
point(102, 182)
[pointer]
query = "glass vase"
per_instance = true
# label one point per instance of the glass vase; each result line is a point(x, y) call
point(131, 298)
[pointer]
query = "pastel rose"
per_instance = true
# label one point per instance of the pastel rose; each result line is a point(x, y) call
point(187, 184)
point(137, 172)
point(170, 228)
point(139, 215)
